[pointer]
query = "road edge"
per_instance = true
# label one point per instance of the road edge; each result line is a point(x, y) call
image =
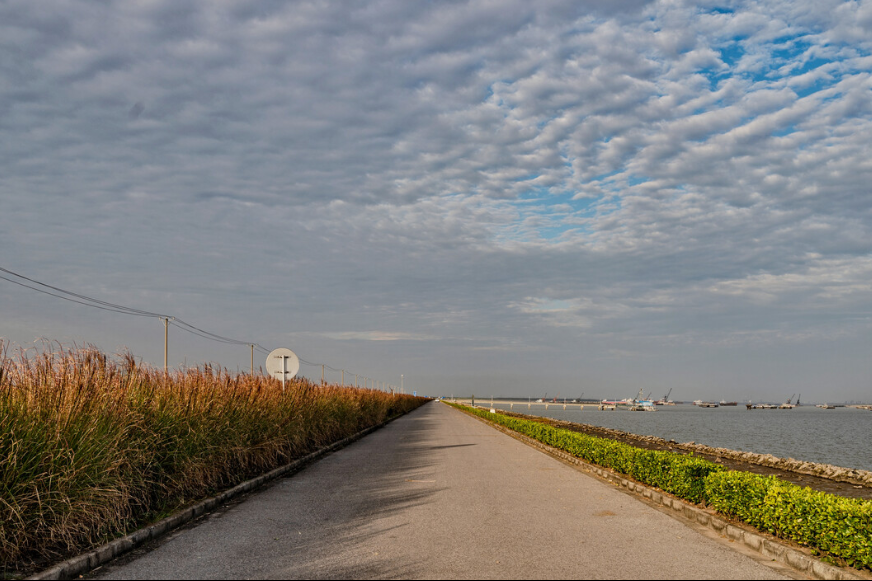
point(86, 562)
point(770, 548)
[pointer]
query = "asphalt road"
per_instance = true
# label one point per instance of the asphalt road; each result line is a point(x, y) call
point(439, 494)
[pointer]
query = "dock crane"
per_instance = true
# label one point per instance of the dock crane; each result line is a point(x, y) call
point(665, 399)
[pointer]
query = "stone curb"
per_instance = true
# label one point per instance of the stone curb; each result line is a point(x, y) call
point(89, 561)
point(772, 549)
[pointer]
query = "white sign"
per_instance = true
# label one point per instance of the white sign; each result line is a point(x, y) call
point(282, 364)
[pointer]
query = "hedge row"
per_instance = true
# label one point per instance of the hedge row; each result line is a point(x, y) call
point(683, 476)
point(841, 527)
point(838, 526)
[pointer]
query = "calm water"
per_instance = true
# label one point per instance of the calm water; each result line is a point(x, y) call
point(842, 436)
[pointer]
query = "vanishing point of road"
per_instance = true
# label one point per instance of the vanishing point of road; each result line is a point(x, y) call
point(439, 494)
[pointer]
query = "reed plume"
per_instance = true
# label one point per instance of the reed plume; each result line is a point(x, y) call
point(93, 446)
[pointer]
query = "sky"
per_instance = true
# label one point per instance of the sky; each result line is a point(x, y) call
point(482, 197)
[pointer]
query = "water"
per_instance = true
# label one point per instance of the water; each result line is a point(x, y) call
point(842, 436)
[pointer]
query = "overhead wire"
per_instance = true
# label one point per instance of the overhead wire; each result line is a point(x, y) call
point(125, 310)
point(105, 304)
point(111, 310)
point(121, 309)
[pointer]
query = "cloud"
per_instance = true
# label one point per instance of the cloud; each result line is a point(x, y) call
point(467, 172)
point(376, 336)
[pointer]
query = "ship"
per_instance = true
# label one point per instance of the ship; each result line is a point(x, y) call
point(760, 406)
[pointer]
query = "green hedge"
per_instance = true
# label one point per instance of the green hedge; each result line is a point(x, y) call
point(838, 526)
point(683, 476)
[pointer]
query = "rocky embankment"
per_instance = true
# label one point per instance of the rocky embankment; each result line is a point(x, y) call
point(826, 477)
point(828, 471)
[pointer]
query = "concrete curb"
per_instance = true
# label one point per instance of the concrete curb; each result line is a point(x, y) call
point(766, 546)
point(86, 562)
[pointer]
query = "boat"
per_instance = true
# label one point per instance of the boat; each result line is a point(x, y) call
point(616, 402)
point(825, 406)
point(729, 403)
point(787, 405)
point(705, 404)
point(760, 406)
point(665, 400)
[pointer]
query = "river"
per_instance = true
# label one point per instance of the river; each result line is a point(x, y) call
point(842, 436)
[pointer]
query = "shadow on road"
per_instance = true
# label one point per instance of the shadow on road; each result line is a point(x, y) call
point(379, 478)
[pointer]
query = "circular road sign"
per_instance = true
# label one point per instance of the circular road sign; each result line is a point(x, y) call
point(274, 363)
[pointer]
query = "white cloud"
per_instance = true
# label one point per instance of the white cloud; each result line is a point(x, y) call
point(641, 170)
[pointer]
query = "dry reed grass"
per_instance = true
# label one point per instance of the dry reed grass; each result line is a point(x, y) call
point(93, 447)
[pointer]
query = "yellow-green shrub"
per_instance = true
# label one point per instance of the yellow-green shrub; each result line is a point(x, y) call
point(681, 475)
point(839, 526)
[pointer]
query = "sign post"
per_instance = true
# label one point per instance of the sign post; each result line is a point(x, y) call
point(282, 363)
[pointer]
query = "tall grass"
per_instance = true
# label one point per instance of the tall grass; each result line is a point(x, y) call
point(93, 446)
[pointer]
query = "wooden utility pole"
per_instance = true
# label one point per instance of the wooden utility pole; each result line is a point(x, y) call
point(166, 323)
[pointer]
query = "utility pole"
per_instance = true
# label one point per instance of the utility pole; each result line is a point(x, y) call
point(252, 359)
point(166, 323)
point(322, 374)
point(343, 378)
point(402, 385)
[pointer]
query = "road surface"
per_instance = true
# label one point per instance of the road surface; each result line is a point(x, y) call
point(439, 494)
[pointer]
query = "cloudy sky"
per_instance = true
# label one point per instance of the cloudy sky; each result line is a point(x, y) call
point(483, 196)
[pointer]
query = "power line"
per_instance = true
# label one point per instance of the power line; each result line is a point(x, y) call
point(121, 309)
point(111, 310)
point(125, 310)
point(104, 304)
